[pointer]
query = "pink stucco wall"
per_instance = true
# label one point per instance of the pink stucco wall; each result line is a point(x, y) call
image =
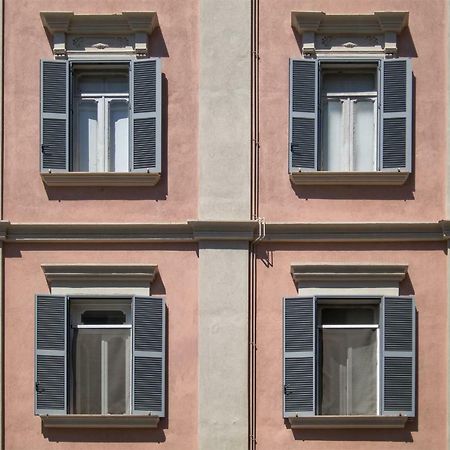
point(422, 197)
point(426, 280)
point(175, 196)
point(25, 278)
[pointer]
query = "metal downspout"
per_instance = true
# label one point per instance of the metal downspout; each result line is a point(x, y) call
point(254, 202)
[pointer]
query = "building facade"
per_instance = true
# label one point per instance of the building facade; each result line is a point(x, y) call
point(224, 225)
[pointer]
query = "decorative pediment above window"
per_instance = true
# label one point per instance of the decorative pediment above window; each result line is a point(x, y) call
point(86, 35)
point(349, 34)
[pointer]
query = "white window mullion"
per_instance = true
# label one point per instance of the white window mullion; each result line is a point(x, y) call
point(104, 375)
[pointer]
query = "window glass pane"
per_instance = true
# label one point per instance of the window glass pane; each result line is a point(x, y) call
point(349, 316)
point(348, 82)
point(363, 135)
point(349, 371)
point(87, 359)
point(118, 136)
point(101, 372)
point(333, 158)
point(118, 369)
point(86, 143)
point(103, 317)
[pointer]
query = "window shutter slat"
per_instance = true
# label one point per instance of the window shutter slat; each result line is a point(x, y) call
point(149, 321)
point(299, 356)
point(51, 355)
point(146, 115)
point(303, 115)
point(396, 115)
point(54, 116)
point(398, 356)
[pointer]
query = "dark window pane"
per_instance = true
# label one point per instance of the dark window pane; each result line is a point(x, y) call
point(103, 318)
point(349, 316)
point(348, 371)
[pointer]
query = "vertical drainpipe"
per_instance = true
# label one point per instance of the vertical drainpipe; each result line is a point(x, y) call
point(254, 204)
point(2, 259)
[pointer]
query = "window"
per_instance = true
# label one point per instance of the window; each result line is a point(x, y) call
point(101, 117)
point(346, 356)
point(100, 355)
point(350, 116)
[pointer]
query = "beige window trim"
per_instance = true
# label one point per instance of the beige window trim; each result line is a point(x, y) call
point(100, 178)
point(100, 421)
point(342, 422)
point(350, 178)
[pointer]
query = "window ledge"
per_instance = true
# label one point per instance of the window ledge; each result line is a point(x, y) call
point(100, 421)
point(349, 178)
point(100, 178)
point(348, 422)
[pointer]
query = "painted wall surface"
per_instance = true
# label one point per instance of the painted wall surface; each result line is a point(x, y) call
point(223, 351)
point(422, 198)
point(426, 279)
point(224, 110)
point(26, 197)
point(177, 281)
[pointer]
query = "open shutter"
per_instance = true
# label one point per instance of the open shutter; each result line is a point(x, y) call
point(146, 115)
point(51, 355)
point(149, 328)
point(299, 356)
point(398, 356)
point(54, 116)
point(396, 115)
point(303, 115)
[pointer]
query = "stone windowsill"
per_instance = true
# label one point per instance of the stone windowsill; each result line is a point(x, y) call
point(99, 421)
point(323, 422)
point(100, 178)
point(349, 178)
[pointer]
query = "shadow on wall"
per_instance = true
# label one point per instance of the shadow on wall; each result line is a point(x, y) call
point(104, 435)
point(158, 192)
point(382, 435)
point(404, 192)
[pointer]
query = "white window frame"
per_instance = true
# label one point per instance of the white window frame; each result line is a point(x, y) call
point(345, 300)
point(104, 102)
point(345, 64)
point(78, 305)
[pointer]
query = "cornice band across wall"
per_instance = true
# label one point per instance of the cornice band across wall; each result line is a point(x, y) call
point(197, 230)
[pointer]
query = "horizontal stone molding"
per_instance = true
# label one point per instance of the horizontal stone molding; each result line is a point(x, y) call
point(350, 178)
point(348, 422)
point(348, 272)
point(377, 32)
point(81, 35)
point(195, 231)
point(100, 178)
point(99, 421)
point(68, 273)
point(216, 230)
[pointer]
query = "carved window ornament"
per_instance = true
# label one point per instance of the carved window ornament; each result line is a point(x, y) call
point(346, 35)
point(100, 35)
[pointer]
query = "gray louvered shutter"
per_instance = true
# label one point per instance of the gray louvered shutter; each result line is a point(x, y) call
point(398, 356)
point(303, 115)
point(396, 115)
point(299, 356)
point(149, 348)
point(54, 116)
point(145, 129)
point(51, 355)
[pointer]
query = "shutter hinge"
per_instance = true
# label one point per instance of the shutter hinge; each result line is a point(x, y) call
point(39, 390)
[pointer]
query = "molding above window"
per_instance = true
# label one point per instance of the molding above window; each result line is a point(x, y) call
point(348, 272)
point(349, 178)
point(348, 422)
point(99, 272)
point(348, 279)
point(100, 421)
point(100, 178)
point(81, 35)
point(350, 33)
